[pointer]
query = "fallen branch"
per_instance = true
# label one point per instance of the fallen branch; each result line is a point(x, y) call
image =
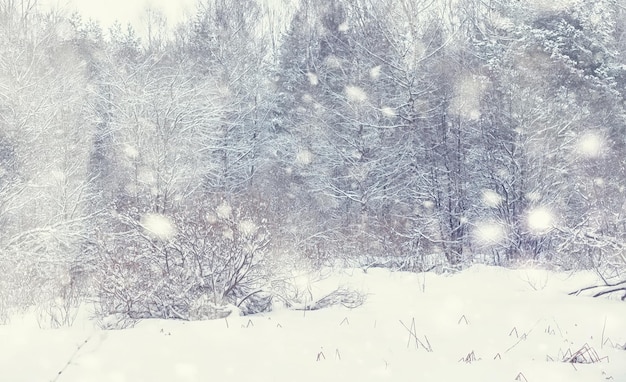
point(615, 287)
point(72, 357)
point(577, 292)
point(612, 291)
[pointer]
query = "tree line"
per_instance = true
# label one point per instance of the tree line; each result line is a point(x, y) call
point(168, 175)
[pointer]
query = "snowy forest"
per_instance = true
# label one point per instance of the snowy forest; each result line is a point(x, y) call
point(168, 172)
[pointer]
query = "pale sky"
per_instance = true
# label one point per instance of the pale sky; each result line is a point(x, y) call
point(134, 11)
point(126, 11)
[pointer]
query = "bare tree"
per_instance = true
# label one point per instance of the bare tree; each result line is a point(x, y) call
point(47, 138)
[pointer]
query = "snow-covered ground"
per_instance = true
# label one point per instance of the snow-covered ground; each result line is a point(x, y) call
point(483, 324)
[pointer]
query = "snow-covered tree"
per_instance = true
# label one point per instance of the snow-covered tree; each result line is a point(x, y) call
point(46, 139)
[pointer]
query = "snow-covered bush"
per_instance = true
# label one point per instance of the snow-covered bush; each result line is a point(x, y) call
point(343, 296)
point(59, 303)
point(223, 256)
point(203, 308)
point(202, 262)
point(46, 283)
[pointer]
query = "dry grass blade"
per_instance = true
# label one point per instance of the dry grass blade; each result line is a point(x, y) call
point(586, 354)
point(521, 377)
point(320, 356)
point(469, 358)
point(413, 336)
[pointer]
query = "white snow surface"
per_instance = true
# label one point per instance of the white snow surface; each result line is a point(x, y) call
point(483, 324)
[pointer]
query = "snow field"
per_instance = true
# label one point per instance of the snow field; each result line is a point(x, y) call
point(484, 324)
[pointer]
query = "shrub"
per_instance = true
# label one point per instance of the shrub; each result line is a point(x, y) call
point(212, 258)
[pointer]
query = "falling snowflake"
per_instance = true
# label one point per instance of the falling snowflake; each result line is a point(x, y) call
point(159, 226)
point(248, 227)
point(491, 198)
point(333, 61)
point(228, 233)
point(304, 157)
point(540, 220)
point(489, 232)
point(590, 145)
point(388, 111)
point(130, 151)
point(533, 196)
point(375, 72)
point(468, 92)
point(224, 210)
point(210, 218)
point(356, 94)
point(313, 80)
